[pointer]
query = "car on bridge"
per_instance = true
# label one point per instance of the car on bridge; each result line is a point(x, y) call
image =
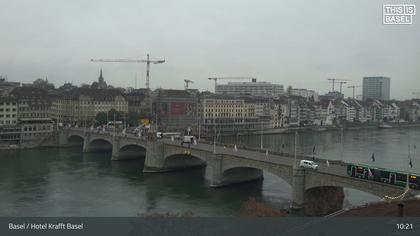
point(308, 164)
point(188, 139)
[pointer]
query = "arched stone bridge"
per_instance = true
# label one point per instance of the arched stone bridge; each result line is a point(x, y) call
point(321, 189)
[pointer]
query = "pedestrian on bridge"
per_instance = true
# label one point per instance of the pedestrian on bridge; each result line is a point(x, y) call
point(313, 153)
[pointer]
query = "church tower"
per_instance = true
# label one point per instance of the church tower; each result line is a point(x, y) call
point(101, 82)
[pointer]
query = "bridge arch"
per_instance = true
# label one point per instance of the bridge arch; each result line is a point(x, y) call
point(241, 174)
point(98, 145)
point(315, 179)
point(128, 145)
point(185, 160)
point(283, 172)
point(131, 151)
point(75, 139)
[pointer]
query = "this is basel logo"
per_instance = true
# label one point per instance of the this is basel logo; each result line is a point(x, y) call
point(398, 14)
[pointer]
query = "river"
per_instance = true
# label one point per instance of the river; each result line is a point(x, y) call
point(67, 182)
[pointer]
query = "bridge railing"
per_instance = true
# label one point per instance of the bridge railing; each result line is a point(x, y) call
point(271, 152)
point(112, 134)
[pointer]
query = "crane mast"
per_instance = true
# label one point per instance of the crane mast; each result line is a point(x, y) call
point(353, 87)
point(340, 81)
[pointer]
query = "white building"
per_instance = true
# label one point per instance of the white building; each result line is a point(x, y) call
point(254, 88)
point(305, 93)
point(327, 113)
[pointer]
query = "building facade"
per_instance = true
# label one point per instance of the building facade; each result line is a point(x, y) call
point(8, 111)
point(254, 88)
point(377, 87)
point(175, 110)
point(80, 106)
point(230, 114)
point(139, 102)
point(309, 94)
point(34, 113)
point(9, 129)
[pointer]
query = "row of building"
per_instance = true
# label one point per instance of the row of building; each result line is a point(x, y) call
point(29, 112)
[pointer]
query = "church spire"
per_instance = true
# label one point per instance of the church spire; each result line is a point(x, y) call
point(101, 78)
point(101, 82)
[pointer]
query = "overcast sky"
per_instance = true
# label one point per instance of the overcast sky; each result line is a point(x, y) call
point(297, 43)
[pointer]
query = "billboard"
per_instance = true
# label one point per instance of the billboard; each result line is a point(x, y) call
point(181, 108)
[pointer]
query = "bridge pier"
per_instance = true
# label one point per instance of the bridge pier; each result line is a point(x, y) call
point(298, 190)
point(214, 173)
point(86, 142)
point(115, 149)
point(154, 161)
point(63, 138)
point(321, 201)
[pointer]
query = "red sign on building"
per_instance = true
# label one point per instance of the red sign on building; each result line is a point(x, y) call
point(181, 108)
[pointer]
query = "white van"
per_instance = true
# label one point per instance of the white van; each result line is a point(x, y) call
point(308, 164)
point(188, 139)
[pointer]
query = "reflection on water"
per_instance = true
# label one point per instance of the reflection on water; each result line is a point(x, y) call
point(67, 182)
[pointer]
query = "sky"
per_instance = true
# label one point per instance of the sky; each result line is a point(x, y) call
point(294, 42)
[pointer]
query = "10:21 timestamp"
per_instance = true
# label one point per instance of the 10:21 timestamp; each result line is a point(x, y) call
point(405, 226)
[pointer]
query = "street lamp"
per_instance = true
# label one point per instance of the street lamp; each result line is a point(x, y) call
point(199, 127)
point(296, 141)
point(114, 124)
point(409, 159)
point(214, 127)
point(262, 138)
point(342, 145)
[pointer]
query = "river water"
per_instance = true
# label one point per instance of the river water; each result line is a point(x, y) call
point(67, 182)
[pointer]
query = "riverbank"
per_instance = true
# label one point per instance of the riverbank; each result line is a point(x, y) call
point(287, 130)
point(409, 208)
point(44, 142)
point(316, 129)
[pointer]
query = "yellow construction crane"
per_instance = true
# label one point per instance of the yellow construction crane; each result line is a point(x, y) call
point(147, 61)
point(341, 82)
point(231, 78)
point(187, 81)
point(354, 87)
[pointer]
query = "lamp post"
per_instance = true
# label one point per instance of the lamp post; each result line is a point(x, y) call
point(107, 118)
point(214, 127)
point(84, 126)
point(296, 141)
point(114, 124)
point(406, 185)
point(262, 138)
point(199, 127)
point(342, 145)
